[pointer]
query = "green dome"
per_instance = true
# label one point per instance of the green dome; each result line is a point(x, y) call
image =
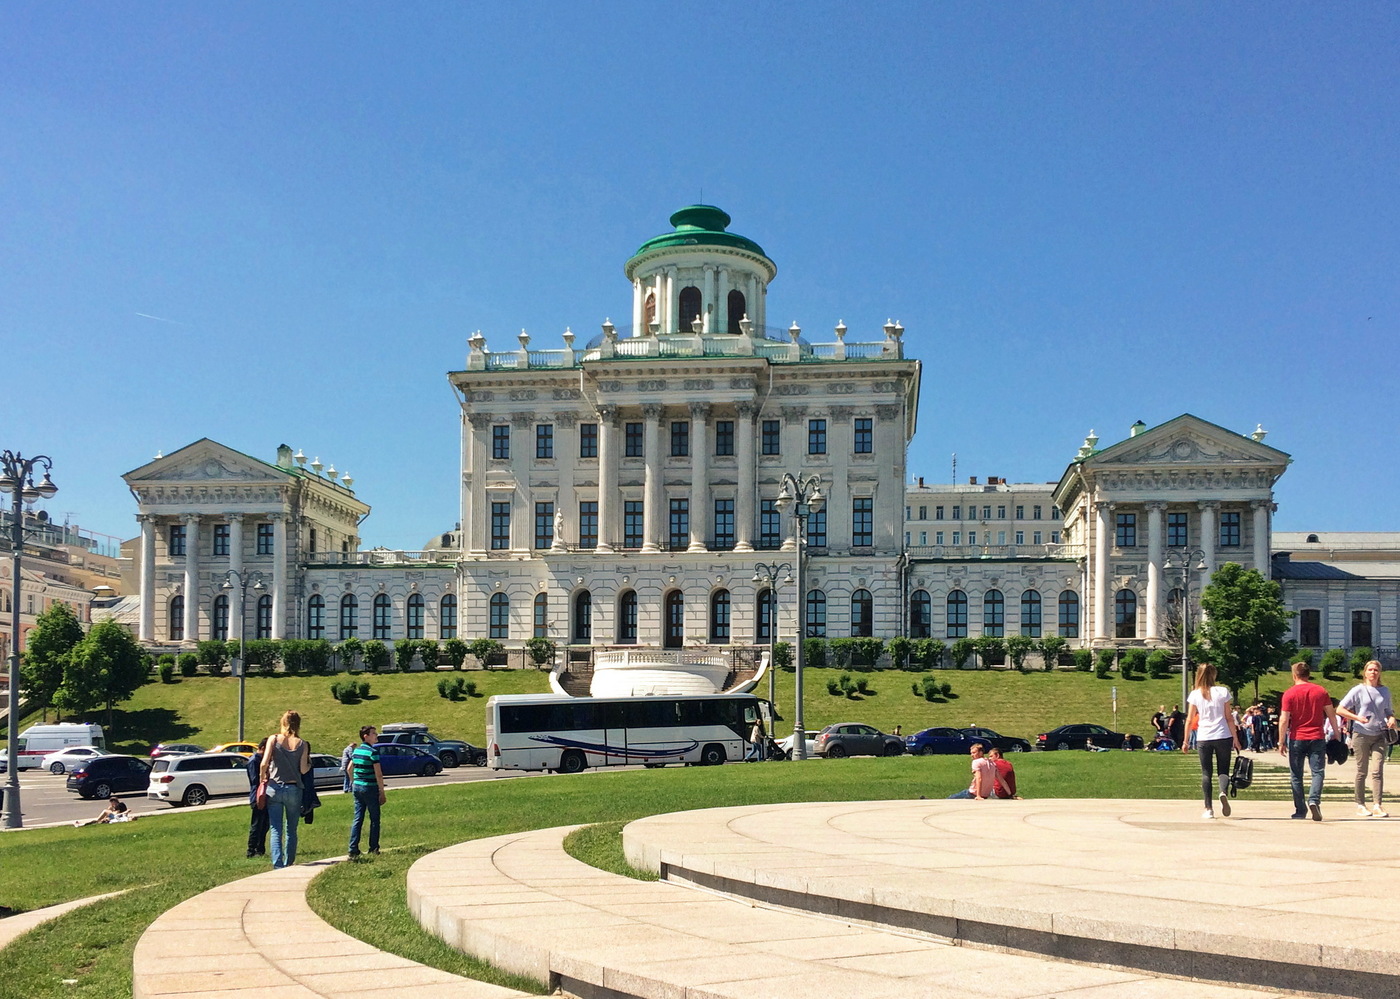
point(699, 225)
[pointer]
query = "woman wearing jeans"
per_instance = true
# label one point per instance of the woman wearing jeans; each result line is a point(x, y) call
point(1369, 708)
point(285, 759)
point(1215, 730)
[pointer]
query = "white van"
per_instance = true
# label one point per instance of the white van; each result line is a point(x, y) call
point(37, 741)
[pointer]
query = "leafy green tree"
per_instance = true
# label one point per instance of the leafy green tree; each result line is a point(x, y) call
point(1246, 626)
point(56, 633)
point(1018, 650)
point(1050, 648)
point(105, 667)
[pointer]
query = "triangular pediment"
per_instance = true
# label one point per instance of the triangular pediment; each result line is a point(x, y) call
point(206, 461)
point(1187, 441)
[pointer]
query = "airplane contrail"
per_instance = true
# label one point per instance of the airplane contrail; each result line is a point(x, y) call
point(160, 319)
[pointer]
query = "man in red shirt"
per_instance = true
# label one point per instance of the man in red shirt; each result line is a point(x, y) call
point(1302, 709)
point(1006, 788)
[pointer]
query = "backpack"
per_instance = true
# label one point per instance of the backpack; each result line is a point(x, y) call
point(1242, 775)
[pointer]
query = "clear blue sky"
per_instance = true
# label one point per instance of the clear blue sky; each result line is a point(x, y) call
point(1083, 214)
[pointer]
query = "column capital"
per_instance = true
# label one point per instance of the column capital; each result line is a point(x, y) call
point(235, 518)
point(522, 420)
point(700, 410)
point(1269, 505)
point(842, 413)
point(190, 518)
point(607, 414)
point(887, 411)
point(1104, 506)
point(479, 421)
point(145, 518)
point(275, 515)
point(1208, 504)
point(1156, 506)
point(566, 418)
point(746, 409)
point(652, 410)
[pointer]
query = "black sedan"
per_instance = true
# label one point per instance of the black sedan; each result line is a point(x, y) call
point(104, 776)
point(1006, 743)
point(1086, 737)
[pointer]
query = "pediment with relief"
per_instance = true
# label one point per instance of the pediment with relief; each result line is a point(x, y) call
point(206, 461)
point(1188, 441)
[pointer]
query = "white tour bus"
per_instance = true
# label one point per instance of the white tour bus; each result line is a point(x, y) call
point(567, 734)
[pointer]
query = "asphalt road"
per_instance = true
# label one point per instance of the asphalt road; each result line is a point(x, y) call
point(46, 801)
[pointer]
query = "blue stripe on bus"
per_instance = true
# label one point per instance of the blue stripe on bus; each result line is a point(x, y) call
point(603, 747)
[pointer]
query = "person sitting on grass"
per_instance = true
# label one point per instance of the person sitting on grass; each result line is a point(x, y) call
point(114, 812)
point(1006, 787)
point(985, 779)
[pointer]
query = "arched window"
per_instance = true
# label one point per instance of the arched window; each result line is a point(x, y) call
point(690, 308)
point(1030, 613)
point(175, 627)
point(920, 615)
point(500, 616)
point(862, 614)
point(349, 616)
point(993, 614)
point(583, 617)
point(413, 618)
point(719, 617)
point(219, 626)
point(627, 618)
point(316, 617)
point(382, 616)
point(1069, 614)
point(675, 620)
point(737, 309)
point(649, 308)
point(541, 618)
point(957, 614)
point(816, 614)
point(264, 627)
point(763, 617)
point(1125, 614)
point(447, 616)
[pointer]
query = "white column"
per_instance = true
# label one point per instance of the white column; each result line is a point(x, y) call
point(659, 290)
point(699, 474)
point(744, 508)
point(757, 312)
point(148, 577)
point(279, 575)
point(607, 478)
point(1209, 536)
point(565, 503)
point(1103, 539)
point(722, 302)
point(235, 562)
point(709, 308)
point(651, 490)
point(1155, 510)
point(474, 526)
point(674, 319)
point(191, 577)
point(1262, 543)
point(639, 294)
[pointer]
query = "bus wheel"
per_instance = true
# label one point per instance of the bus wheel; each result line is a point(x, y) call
point(572, 762)
point(712, 755)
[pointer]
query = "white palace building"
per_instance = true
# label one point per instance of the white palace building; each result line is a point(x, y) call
point(619, 493)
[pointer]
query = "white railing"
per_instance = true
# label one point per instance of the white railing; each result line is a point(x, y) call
point(963, 552)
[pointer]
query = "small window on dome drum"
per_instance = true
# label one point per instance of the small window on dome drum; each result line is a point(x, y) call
point(738, 308)
point(690, 308)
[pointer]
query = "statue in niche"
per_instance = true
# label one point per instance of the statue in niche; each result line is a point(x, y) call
point(649, 310)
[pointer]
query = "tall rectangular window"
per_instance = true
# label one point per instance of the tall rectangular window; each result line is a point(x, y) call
point(1230, 529)
point(500, 526)
point(633, 522)
point(544, 440)
point(957, 537)
point(957, 513)
point(986, 513)
point(175, 540)
point(816, 529)
point(1177, 528)
point(447, 616)
point(588, 524)
point(680, 438)
point(865, 435)
point(1020, 537)
point(1035, 513)
point(634, 440)
point(680, 524)
point(588, 440)
point(816, 437)
point(724, 437)
point(772, 437)
point(1001, 513)
point(1125, 529)
point(938, 513)
point(938, 537)
point(724, 524)
point(1020, 513)
point(544, 525)
point(1310, 628)
point(923, 513)
point(500, 441)
point(1054, 537)
point(770, 525)
point(264, 539)
point(221, 539)
point(863, 521)
point(1360, 628)
point(1036, 537)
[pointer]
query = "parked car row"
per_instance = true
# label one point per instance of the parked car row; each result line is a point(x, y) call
point(857, 739)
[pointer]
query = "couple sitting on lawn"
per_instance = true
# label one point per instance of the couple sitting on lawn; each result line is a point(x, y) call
point(992, 776)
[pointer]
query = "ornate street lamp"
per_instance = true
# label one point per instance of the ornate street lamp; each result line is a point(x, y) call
point(1188, 560)
point(804, 497)
point(768, 573)
point(17, 480)
point(255, 579)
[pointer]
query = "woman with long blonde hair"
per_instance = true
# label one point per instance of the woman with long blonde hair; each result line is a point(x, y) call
point(284, 760)
point(1209, 710)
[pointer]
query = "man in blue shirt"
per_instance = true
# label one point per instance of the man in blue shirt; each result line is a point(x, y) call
point(367, 785)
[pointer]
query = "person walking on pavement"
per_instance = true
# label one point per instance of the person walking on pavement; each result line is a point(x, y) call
point(257, 821)
point(1302, 710)
point(367, 785)
point(1208, 714)
point(1372, 719)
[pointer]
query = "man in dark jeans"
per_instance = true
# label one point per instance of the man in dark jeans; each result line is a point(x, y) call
point(1301, 737)
point(257, 823)
point(367, 785)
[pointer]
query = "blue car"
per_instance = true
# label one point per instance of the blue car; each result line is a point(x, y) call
point(944, 741)
point(406, 761)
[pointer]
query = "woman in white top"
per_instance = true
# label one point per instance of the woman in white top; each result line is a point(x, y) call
point(1209, 708)
point(1369, 708)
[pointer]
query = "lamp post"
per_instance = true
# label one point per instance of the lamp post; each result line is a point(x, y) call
point(17, 479)
point(1186, 559)
point(804, 497)
point(768, 573)
point(255, 579)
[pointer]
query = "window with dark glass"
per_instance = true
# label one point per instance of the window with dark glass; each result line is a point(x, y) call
point(770, 525)
point(680, 438)
point(719, 617)
point(816, 529)
point(1069, 614)
point(763, 617)
point(864, 435)
point(264, 539)
point(500, 526)
point(680, 524)
point(1310, 628)
point(588, 524)
point(1030, 613)
point(1125, 525)
point(633, 440)
point(316, 617)
point(772, 437)
point(349, 616)
point(447, 616)
point(737, 309)
point(1360, 629)
point(176, 624)
point(221, 535)
point(544, 440)
point(627, 618)
point(816, 437)
point(583, 616)
point(382, 619)
point(689, 307)
point(498, 624)
point(1230, 529)
point(862, 614)
point(957, 614)
point(264, 617)
point(413, 616)
point(588, 440)
point(724, 437)
point(1177, 528)
point(920, 615)
point(674, 636)
point(1125, 614)
point(993, 614)
point(633, 523)
point(541, 616)
point(175, 540)
point(724, 524)
point(500, 441)
point(863, 521)
point(816, 614)
point(957, 513)
point(311, 543)
point(1020, 513)
point(1035, 513)
point(219, 626)
point(544, 525)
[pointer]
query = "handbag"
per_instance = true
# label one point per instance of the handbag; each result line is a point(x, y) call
point(1242, 775)
point(261, 798)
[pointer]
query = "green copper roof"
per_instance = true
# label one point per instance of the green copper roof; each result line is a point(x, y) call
point(700, 225)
